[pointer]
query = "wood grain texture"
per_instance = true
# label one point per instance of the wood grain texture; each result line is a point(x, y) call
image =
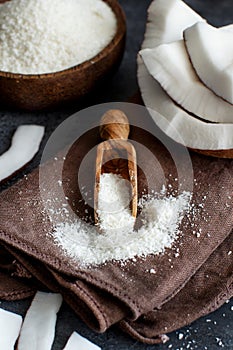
point(116, 155)
point(46, 91)
point(114, 125)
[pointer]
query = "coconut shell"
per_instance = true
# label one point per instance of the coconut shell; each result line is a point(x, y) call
point(222, 153)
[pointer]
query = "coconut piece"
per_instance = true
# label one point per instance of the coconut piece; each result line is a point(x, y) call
point(213, 138)
point(166, 21)
point(25, 144)
point(77, 342)
point(38, 328)
point(211, 53)
point(169, 64)
point(177, 123)
point(10, 325)
point(227, 27)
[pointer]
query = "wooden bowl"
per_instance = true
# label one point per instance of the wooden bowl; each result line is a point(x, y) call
point(45, 91)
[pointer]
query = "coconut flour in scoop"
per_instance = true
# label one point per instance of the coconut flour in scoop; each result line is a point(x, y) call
point(160, 218)
point(44, 36)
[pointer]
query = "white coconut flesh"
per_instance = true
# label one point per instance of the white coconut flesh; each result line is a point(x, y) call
point(177, 123)
point(199, 135)
point(38, 328)
point(25, 144)
point(211, 53)
point(77, 342)
point(166, 21)
point(169, 64)
point(10, 324)
point(227, 27)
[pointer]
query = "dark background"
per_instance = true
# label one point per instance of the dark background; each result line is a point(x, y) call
point(208, 333)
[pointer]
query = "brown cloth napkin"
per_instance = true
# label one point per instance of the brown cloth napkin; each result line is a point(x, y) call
point(109, 293)
point(12, 288)
point(207, 290)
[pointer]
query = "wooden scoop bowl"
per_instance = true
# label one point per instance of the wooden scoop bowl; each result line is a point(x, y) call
point(116, 155)
point(45, 91)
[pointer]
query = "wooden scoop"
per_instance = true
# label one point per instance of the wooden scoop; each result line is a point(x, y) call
point(116, 155)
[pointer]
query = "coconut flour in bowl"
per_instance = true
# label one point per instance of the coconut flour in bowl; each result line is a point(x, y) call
point(45, 36)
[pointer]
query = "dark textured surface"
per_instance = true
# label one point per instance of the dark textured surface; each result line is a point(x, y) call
point(206, 333)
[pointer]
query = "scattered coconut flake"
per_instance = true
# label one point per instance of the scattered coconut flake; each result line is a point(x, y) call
point(25, 144)
point(10, 324)
point(77, 342)
point(180, 336)
point(219, 342)
point(160, 219)
point(38, 328)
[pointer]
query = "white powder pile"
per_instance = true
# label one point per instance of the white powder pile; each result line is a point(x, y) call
point(113, 203)
point(44, 36)
point(160, 217)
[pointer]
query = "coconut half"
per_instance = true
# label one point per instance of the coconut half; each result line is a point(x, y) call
point(211, 52)
point(10, 325)
point(177, 123)
point(38, 328)
point(25, 144)
point(166, 21)
point(214, 139)
point(169, 64)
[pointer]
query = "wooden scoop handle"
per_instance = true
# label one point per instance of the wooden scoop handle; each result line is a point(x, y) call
point(114, 125)
point(114, 129)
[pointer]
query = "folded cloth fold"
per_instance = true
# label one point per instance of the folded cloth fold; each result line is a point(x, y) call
point(105, 294)
point(207, 290)
point(12, 288)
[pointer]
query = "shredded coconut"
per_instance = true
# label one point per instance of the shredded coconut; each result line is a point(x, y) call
point(44, 36)
point(160, 217)
point(113, 203)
